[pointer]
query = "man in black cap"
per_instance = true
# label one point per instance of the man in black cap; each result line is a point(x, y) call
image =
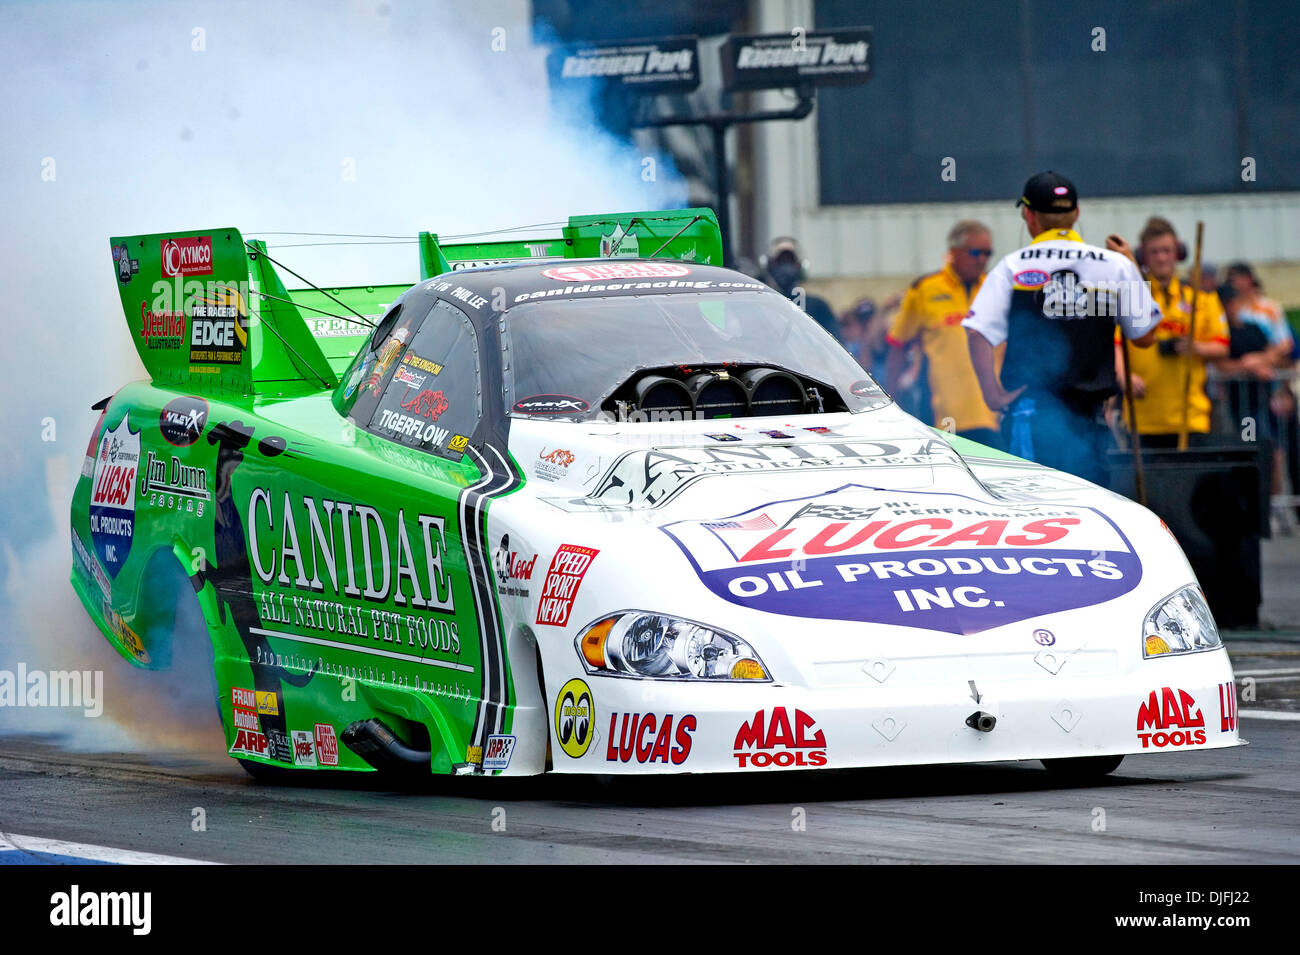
point(1056, 303)
point(785, 268)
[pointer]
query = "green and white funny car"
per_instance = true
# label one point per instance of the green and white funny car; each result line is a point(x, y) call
point(575, 510)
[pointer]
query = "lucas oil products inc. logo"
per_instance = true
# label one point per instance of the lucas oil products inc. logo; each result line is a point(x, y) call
point(112, 496)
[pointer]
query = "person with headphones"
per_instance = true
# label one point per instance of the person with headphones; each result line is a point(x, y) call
point(932, 311)
point(1160, 384)
point(786, 267)
point(1055, 304)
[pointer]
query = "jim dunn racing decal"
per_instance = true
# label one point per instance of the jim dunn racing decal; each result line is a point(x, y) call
point(914, 559)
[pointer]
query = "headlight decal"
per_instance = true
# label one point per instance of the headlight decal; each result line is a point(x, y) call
point(657, 646)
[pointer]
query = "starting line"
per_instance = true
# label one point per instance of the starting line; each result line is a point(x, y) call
point(36, 850)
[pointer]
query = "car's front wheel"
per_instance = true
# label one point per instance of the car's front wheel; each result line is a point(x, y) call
point(1082, 767)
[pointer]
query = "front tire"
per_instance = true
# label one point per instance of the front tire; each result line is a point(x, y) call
point(1082, 768)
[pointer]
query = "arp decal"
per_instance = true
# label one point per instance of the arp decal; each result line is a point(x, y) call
point(568, 567)
point(1170, 717)
point(112, 496)
point(575, 718)
point(250, 743)
point(497, 755)
point(649, 738)
point(776, 740)
point(550, 405)
point(182, 420)
point(914, 559)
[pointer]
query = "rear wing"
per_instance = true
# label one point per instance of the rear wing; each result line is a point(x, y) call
point(691, 235)
point(209, 313)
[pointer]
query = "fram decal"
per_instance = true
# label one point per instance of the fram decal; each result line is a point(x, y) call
point(1170, 717)
point(568, 567)
point(112, 496)
point(932, 561)
point(777, 740)
point(649, 738)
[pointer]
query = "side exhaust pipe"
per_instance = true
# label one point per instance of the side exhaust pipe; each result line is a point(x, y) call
point(379, 746)
point(984, 722)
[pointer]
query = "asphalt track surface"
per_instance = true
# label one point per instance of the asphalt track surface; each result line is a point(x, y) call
point(1238, 806)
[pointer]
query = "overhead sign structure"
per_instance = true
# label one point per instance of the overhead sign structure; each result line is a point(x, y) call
point(783, 60)
point(664, 65)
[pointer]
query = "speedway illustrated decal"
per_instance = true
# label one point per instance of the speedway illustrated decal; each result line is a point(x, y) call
point(914, 559)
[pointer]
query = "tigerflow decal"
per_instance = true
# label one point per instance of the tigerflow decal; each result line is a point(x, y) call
point(112, 496)
point(1170, 717)
point(915, 559)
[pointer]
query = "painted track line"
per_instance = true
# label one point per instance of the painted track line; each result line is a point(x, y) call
point(61, 851)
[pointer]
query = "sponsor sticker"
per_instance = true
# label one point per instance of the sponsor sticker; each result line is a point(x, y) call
point(427, 404)
point(723, 437)
point(249, 743)
point(267, 702)
point(497, 754)
point(511, 568)
point(304, 747)
point(616, 270)
point(187, 256)
point(125, 265)
point(934, 561)
point(1228, 707)
point(112, 496)
point(553, 465)
point(569, 565)
point(575, 718)
point(182, 420)
point(776, 739)
point(1170, 717)
point(404, 376)
point(551, 404)
point(649, 738)
point(327, 745)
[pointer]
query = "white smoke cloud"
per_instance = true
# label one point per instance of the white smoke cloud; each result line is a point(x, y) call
point(345, 117)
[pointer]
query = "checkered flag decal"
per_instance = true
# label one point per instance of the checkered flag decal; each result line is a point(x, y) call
point(835, 512)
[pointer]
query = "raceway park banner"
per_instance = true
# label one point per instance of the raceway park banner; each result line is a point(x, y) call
point(913, 559)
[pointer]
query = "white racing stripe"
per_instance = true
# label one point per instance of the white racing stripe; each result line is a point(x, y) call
point(37, 845)
point(1267, 715)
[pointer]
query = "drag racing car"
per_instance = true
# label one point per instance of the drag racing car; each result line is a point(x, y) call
point(594, 504)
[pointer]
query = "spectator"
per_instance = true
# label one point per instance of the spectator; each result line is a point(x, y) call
point(1163, 396)
point(853, 324)
point(1264, 312)
point(786, 268)
point(932, 311)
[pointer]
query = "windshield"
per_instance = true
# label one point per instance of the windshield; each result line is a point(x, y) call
point(568, 358)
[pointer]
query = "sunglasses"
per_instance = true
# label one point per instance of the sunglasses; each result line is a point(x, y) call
point(978, 253)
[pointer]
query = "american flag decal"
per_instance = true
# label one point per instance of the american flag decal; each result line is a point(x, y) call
point(760, 523)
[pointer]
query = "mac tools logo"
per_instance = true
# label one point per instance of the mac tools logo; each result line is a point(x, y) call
point(914, 559)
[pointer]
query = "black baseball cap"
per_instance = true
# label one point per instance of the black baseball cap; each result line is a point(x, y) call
point(1049, 192)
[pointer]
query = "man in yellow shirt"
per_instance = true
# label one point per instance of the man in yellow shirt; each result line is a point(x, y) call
point(932, 310)
point(1160, 373)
